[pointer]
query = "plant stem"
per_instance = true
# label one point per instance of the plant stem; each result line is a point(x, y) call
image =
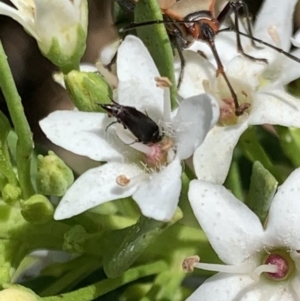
point(100, 288)
point(16, 111)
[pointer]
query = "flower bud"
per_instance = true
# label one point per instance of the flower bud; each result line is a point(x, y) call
point(18, 293)
point(11, 194)
point(53, 177)
point(86, 89)
point(37, 209)
point(59, 27)
point(75, 240)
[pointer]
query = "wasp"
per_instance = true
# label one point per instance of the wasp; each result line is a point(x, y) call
point(190, 20)
point(139, 124)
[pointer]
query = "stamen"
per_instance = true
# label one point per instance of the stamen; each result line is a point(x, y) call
point(273, 34)
point(244, 268)
point(165, 83)
point(264, 268)
point(194, 262)
point(189, 263)
point(123, 180)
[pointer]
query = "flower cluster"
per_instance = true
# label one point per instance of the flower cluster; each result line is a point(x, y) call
point(162, 156)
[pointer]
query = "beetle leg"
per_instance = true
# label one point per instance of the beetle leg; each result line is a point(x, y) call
point(110, 125)
point(233, 8)
point(239, 109)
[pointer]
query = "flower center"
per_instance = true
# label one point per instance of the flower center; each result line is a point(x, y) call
point(283, 262)
point(282, 266)
point(226, 102)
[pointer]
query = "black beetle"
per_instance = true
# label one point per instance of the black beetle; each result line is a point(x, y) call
point(139, 124)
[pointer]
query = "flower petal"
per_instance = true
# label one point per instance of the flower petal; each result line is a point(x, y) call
point(95, 187)
point(24, 20)
point(275, 107)
point(224, 287)
point(158, 197)
point(195, 117)
point(109, 51)
point(296, 278)
point(284, 216)
point(276, 16)
point(233, 230)
point(85, 133)
point(212, 159)
point(196, 70)
point(140, 79)
point(225, 45)
point(246, 71)
point(290, 68)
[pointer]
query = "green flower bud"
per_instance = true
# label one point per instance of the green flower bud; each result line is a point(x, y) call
point(75, 239)
point(11, 194)
point(54, 177)
point(18, 293)
point(59, 27)
point(37, 209)
point(87, 89)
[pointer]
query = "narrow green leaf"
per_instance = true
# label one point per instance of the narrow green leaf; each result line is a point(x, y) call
point(254, 151)
point(135, 240)
point(156, 39)
point(262, 189)
point(289, 139)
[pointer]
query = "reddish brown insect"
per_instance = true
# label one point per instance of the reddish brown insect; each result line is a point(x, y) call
point(190, 20)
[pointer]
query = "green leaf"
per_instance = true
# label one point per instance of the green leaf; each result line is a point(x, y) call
point(254, 151)
point(135, 240)
point(289, 139)
point(262, 189)
point(156, 39)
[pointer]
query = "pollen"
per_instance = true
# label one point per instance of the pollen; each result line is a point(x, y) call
point(189, 263)
point(122, 180)
point(163, 82)
point(159, 153)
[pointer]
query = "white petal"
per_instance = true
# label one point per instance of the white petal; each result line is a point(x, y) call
point(275, 107)
point(296, 39)
point(137, 85)
point(95, 187)
point(158, 197)
point(108, 52)
point(284, 216)
point(225, 45)
point(196, 70)
point(195, 117)
point(224, 287)
point(233, 230)
point(290, 68)
point(296, 278)
point(84, 133)
point(247, 71)
point(64, 21)
point(87, 67)
point(24, 20)
point(212, 159)
point(275, 15)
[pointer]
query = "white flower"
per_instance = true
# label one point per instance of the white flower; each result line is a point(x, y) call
point(53, 23)
point(261, 264)
point(148, 173)
point(259, 84)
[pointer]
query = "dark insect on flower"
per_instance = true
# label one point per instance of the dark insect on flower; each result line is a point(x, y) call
point(138, 123)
